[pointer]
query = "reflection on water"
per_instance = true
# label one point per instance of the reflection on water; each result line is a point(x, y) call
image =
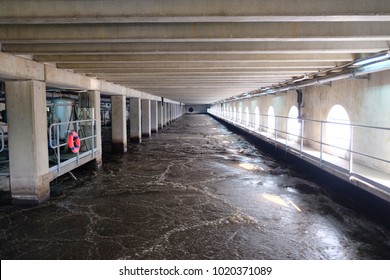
point(194, 191)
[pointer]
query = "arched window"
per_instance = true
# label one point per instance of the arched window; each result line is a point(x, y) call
point(247, 117)
point(257, 118)
point(293, 125)
point(338, 131)
point(271, 120)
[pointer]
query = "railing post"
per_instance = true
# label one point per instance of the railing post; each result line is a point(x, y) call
point(351, 150)
point(78, 153)
point(321, 143)
point(93, 135)
point(302, 124)
point(287, 132)
point(58, 150)
point(275, 129)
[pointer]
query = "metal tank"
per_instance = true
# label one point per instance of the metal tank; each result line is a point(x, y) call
point(62, 111)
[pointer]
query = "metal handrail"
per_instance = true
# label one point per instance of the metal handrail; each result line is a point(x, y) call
point(78, 123)
point(259, 128)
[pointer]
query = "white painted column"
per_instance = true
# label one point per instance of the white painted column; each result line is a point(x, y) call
point(28, 142)
point(135, 120)
point(146, 118)
point(154, 116)
point(160, 113)
point(118, 124)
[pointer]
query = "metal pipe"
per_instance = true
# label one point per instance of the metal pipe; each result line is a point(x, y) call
point(351, 73)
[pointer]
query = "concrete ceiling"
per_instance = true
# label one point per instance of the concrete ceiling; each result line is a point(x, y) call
point(195, 51)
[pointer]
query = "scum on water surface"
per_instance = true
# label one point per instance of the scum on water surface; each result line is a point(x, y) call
point(193, 191)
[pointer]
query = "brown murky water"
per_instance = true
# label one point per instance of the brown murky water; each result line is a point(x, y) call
point(194, 191)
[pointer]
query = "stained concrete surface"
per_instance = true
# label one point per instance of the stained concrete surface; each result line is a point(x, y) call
point(193, 191)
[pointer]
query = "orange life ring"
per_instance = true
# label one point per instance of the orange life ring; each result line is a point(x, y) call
point(74, 141)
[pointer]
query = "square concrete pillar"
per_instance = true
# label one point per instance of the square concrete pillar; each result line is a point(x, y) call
point(165, 113)
point(118, 124)
point(170, 112)
point(160, 113)
point(154, 116)
point(135, 120)
point(94, 102)
point(28, 142)
point(167, 105)
point(146, 118)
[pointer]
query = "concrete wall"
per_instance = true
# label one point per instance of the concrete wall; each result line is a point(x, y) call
point(196, 109)
point(365, 100)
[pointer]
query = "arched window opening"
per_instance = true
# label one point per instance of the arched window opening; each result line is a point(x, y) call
point(293, 125)
point(257, 118)
point(271, 120)
point(234, 113)
point(240, 115)
point(338, 132)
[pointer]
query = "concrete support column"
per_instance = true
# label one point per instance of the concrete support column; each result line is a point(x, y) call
point(165, 113)
point(94, 102)
point(154, 116)
point(135, 120)
point(160, 113)
point(118, 124)
point(169, 113)
point(28, 142)
point(146, 118)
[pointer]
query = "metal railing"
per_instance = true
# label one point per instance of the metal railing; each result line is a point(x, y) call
point(280, 136)
point(56, 142)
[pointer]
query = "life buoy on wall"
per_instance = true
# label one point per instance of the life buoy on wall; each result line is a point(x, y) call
point(74, 141)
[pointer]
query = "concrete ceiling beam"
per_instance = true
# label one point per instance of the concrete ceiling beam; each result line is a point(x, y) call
point(17, 68)
point(196, 48)
point(120, 11)
point(196, 32)
point(196, 58)
point(189, 75)
point(205, 72)
point(195, 65)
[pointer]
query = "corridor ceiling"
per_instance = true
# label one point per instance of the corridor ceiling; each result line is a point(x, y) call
point(195, 51)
